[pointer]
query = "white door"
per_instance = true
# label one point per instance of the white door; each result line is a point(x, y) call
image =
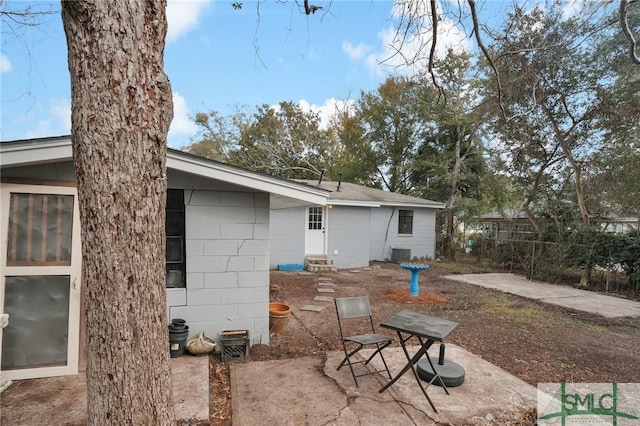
point(40, 280)
point(314, 234)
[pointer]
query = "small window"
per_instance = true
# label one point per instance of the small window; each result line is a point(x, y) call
point(175, 229)
point(405, 222)
point(315, 218)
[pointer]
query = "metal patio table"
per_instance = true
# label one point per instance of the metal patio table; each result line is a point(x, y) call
point(427, 330)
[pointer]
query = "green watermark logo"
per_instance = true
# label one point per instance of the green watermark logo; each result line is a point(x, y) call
point(589, 404)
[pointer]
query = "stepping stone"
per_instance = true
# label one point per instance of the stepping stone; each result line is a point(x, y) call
point(313, 308)
point(366, 269)
point(323, 299)
point(326, 290)
point(305, 273)
point(355, 271)
point(325, 279)
point(325, 284)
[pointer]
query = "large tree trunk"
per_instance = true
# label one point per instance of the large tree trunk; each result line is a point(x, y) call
point(453, 195)
point(121, 111)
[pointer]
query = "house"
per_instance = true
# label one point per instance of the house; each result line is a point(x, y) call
point(510, 224)
point(218, 247)
point(618, 222)
point(358, 225)
point(514, 224)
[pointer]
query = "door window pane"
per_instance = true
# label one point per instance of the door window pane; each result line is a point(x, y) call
point(37, 334)
point(40, 227)
point(315, 218)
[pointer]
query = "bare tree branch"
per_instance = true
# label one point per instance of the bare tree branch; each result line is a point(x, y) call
point(432, 53)
point(256, 43)
point(310, 8)
point(624, 23)
point(487, 55)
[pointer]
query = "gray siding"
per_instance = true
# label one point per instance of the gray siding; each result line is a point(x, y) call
point(348, 239)
point(287, 229)
point(384, 233)
point(227, 248)
point(358, 234)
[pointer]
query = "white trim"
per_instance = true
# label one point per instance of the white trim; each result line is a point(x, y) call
point(355, 203)
point(350, 203)
point(37, 151)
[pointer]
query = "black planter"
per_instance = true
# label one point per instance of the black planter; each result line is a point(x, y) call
point(178, 335)
point(178, 323)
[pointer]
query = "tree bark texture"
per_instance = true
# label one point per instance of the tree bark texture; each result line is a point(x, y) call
point(121, 111)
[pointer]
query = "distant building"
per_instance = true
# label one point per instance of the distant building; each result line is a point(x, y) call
point(515, 225)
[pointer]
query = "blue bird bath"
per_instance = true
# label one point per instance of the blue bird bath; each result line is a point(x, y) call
point(415, 269)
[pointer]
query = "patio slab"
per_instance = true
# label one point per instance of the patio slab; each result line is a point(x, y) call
point(555, 294)
point(269, 392)
point(63, 400)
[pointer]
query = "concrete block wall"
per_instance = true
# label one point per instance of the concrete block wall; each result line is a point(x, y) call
point(227, 255)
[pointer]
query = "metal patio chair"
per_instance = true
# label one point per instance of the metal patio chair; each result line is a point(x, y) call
point(352, 312)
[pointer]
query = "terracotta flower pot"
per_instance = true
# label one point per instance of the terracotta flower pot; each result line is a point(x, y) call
point(277, 308)
point(278, 315)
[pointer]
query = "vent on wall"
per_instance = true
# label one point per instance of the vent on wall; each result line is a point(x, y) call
point(400, 255)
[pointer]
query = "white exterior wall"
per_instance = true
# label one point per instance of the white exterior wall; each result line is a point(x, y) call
point(286, 229)
point(227, 260)
point(348, 236)
point(384, 233)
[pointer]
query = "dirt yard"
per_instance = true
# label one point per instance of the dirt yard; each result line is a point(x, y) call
point(536, 342)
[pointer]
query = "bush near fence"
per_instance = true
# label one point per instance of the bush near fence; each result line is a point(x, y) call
point(614, 260)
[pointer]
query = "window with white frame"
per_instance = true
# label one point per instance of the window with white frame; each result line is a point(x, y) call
point(405, 222)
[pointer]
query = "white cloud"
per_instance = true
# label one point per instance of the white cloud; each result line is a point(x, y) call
point(5, 64)
point(183, 16)
point(42, 129)
point(357, 52)
point(182, 123)
point(326, 110)
point(396, 50)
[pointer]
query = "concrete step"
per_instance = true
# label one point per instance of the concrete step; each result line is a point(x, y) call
point(321, 268)
point(320, 264)
point(319, 260)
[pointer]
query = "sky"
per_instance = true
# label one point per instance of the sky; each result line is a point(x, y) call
point(218, 57)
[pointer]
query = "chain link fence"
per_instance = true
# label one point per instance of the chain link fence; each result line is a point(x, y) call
point(547, 261)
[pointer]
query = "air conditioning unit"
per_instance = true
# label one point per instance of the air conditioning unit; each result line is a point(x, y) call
point(400, 255)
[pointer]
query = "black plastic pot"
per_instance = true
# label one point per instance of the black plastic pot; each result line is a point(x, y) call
point(178, 323)
point(178, 335)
